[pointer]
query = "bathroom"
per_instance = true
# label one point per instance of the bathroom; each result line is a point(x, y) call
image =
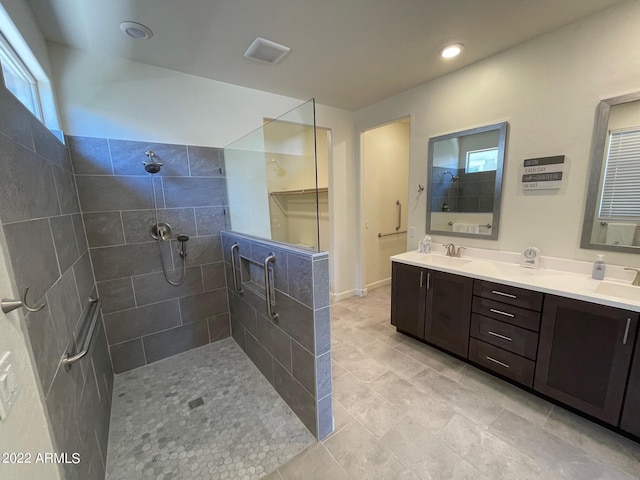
point(547, 88)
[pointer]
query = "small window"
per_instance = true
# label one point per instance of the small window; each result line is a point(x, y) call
point(482, 160)
point(18, 79)
point(620, 195)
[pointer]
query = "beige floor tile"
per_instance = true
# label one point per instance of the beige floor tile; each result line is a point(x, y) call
point(341, 416)
point(357, 363)
point(401, 364)
point(362, 456)
point(314, 463)
point(489, 454)
point(337, 370)
point(275, 475)
point(433, 358)
point(595, 440)
point(428, 457)
point(554, 454)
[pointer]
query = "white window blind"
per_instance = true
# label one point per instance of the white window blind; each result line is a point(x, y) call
point(621, 189)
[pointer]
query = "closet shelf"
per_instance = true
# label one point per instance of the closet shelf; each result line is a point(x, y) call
point(302, 191)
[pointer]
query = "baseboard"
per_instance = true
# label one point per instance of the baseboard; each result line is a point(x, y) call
point(379, 283)
point(336, 297)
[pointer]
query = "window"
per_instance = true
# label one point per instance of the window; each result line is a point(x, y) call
point(620, 194)
point(18, 79)
point(482, 160)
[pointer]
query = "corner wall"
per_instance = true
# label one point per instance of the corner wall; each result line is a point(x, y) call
point(294, 351)
point(47, 247)
point(548, 90)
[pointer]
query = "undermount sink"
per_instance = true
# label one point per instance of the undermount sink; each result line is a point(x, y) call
point(442, 261)
point(617, 290)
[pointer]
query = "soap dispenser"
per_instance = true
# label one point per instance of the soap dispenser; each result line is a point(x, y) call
point(425, 245)
point(598, 268)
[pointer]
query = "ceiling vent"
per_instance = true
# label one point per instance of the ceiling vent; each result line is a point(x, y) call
point(266, 51)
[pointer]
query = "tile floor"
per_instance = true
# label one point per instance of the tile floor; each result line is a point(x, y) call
point(404, 410)
point(242, 431)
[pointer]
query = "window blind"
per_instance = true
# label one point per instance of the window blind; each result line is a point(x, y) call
point(621, 189)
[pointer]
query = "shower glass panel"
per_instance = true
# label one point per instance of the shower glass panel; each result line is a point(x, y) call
point(272, 180)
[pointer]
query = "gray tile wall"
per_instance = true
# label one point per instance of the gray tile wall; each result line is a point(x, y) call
point(46, 242)
point(146, 318)
point(293, 352)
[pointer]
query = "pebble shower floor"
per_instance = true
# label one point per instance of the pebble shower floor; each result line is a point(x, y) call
point(242, 429)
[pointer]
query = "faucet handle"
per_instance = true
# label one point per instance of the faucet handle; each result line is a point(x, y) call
point(636, 281)
point(458, 254)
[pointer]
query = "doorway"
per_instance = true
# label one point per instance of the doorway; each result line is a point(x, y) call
point(384, 181)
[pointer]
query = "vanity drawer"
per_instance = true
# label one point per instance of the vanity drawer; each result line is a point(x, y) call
point(520, 317)
point(504, 335)
point(500, 361)
point(506, 294)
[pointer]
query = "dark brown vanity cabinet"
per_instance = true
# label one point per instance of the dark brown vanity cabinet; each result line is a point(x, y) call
point(448, 311)
point(631, 411)
point(433, 306)
point(408, 298)
point(584, 355)
point(504, 330)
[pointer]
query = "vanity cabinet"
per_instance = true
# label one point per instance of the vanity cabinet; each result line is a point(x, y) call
point(432, 305)
point(631, 411)
point(408, 298)
point(448, 311)
point(504, 330)
point(584, 355)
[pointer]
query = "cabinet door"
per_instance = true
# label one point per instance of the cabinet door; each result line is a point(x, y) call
point(631, 410)
point(408, 298)
point(584, 355)
point(448, 311)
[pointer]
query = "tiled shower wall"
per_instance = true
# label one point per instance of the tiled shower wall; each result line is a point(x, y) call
point(47, 246)
point(146, 318)
point(294, 351)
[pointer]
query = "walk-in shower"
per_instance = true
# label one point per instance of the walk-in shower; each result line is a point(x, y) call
point(161, 231)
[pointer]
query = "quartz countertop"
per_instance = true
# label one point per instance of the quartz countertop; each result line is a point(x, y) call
point(568, 278)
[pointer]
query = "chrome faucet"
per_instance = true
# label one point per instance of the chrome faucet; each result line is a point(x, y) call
point(636, 281)
point(451, 250)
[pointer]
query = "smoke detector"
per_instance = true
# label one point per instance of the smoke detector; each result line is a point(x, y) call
point(266, 51)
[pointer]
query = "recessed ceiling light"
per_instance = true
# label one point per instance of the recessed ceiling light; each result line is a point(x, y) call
point(136, 30)
point(451, 51)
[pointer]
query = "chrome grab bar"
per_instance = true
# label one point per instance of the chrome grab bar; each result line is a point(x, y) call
point(94, 312)
point(399, 214)
point(488, 225)
point(380, 235)
point(267, 287)
point(237, 287)
point(9, 305)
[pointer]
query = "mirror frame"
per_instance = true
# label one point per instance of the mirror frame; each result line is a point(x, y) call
point(497, 196)
point(598, 143)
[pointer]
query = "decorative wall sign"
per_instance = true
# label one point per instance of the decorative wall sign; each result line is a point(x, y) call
point(543, 173)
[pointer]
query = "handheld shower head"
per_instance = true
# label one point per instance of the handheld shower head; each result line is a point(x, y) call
point(152, 166)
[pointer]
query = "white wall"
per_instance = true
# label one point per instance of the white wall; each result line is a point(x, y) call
point(25, 429)
point(386, 172)
point(115, 98)
point(548, 90)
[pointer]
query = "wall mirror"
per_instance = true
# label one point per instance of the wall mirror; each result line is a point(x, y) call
point(612, 213)
point(464, 176)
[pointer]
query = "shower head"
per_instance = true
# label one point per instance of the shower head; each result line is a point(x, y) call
point(454, 178)
point(152, 166)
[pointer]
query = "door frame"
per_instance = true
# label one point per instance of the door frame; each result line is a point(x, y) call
point(361, 273)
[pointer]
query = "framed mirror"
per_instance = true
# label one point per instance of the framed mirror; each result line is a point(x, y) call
point(612, 212)
point(464, 178)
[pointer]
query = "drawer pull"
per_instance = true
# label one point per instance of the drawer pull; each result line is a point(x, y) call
point(626, 331)
point(497, 361)
point(500, 312)
point(504, 337)
point(503, 294)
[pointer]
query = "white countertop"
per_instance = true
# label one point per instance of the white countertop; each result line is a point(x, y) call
point(569, 278)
